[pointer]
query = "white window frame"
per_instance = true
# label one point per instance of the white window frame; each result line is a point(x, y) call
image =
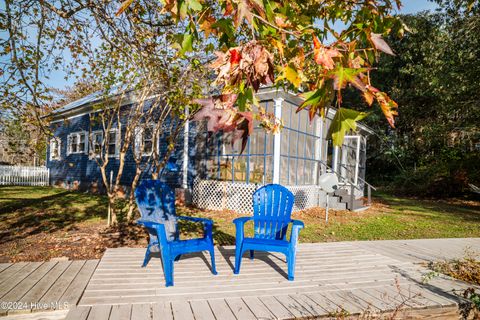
point(139, 141)
point(93, 154)
point(91, 143)
point(58, 156)
point(117, 145)
point(77, 135)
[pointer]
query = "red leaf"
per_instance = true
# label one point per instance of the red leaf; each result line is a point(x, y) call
point(380, 44)
point(235, 56)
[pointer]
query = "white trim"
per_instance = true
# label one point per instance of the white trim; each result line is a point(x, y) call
point(277, 142)
point(117, 143)
point(139, 140)
point(59, 149)
point(91, 141)
point(71, 117)
point(78, 134)
point(318, 149)
point(186, 131)
point(92, 153)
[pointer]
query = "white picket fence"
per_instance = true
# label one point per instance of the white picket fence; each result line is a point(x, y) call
point(24, 176)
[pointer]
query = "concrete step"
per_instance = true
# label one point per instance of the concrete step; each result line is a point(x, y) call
point(357, 203)
point(341, 192)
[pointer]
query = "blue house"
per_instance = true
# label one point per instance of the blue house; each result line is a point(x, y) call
point(213, 173)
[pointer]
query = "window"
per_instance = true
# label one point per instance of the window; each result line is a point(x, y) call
point(55, 149)
point(77, 143)
point(111, 146)
point(148, 140)
point(144, 140)
point(112, 143)
point(96, 143)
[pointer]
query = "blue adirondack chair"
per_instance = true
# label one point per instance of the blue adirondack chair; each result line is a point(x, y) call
point(272, 206)
point(156, 202)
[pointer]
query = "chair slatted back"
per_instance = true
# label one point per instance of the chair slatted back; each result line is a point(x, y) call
point(272, 207)
point(156, 202)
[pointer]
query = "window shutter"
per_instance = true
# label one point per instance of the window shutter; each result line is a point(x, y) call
point(85, 142)
point(52, 142)
point(138, 141)
point(69, 144)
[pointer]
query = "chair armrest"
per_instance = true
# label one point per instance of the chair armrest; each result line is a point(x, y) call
point(158, 227)
point(241, 220)
point(239, 225)
point(147, 223)
point(195, 219)
point(297, 225)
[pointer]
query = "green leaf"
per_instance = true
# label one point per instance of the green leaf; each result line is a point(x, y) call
point(194, 5)
point(186, 44)
point(344, 120)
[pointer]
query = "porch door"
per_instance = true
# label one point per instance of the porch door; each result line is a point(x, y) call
point(346, 159)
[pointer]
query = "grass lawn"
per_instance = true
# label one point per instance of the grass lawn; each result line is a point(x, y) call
point(38, 223)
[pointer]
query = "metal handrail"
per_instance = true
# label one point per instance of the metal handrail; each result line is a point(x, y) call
point(363, 180)
point(352, 185)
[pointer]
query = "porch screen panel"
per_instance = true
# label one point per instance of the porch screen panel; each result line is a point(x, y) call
point(348, 158)
point(223, 160)
point(301, 145)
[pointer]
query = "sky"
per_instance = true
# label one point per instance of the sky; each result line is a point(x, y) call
point(57, 79)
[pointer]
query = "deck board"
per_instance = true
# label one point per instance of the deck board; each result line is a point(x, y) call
point(44, 286)
point(331, 279)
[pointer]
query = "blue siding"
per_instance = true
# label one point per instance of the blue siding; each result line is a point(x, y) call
point(78, 171)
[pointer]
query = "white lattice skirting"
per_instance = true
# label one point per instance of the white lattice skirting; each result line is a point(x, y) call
point(236, 196)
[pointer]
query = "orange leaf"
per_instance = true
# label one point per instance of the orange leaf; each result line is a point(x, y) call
point(389, 107)
point(323, 55)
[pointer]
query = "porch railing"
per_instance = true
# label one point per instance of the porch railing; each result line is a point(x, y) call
point(352, 185)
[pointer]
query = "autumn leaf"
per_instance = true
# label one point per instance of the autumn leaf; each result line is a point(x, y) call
point(342, 76)
point(380, 44)
point(291, 75)
point(125, 4)
point(221, 115)
point(370, 93)
point(316, 101)
point(323, 55)
point(389, 107)
point(235, 56)
point(344, 120)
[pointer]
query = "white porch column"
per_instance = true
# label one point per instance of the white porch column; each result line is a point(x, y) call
point(277, 141)
point(318, 149)
point(186, 130)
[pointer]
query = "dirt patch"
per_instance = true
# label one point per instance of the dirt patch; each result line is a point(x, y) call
point(83, 241)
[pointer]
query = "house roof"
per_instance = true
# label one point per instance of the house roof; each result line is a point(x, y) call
point(89, 100)
point(270, 93)
point(265, 93)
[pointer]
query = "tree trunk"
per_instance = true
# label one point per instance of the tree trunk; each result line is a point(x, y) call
point(131, 200)
point(113, 209)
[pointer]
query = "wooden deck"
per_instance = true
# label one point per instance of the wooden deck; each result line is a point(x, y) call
point(331, 278)
point(43, 286)
point(373, 277)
